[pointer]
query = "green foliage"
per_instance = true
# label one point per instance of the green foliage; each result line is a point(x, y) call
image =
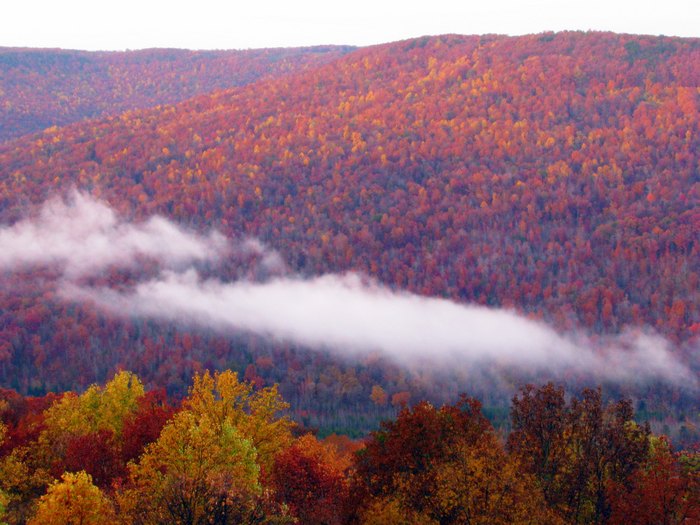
point(222, 399)
point(3, 503)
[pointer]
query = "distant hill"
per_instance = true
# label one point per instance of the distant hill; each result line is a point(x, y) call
point(40, 88)
point(554, 174)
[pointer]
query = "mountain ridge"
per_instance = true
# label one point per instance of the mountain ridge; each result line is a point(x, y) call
point(45, 87)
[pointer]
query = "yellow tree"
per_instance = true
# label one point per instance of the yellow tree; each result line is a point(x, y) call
point(23, 479)
point(74, 500)
point(3, 502)
point(193, 474)
point(98, 408)
point(223, 398)
point(205, 466)
point(481, 485)
point(84, 432)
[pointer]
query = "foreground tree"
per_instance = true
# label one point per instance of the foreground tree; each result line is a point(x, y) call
point(311, 477)
point(576, 449)
point(205, 466)
point(85, 432)
point(193, 473)
point(226, 456)
point(74, 500)
point(443, 466)
point(665, 489)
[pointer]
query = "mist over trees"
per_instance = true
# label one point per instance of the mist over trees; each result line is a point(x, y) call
point(551, 175)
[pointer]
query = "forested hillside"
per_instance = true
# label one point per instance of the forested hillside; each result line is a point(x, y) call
point(40, 88)
point(556, 175)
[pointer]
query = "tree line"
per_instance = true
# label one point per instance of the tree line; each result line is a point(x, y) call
point(227, 453)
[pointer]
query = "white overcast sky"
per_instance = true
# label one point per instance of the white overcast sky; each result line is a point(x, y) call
point(240, 24)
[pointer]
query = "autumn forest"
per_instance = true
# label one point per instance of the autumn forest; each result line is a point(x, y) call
point(444, 280)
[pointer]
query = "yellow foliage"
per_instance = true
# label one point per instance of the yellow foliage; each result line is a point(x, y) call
point(191, 472)
point(222, 398)
point(3, 504)
point(73, 500)
point(98, 408)
point(390, 510)
point(20, 482)
point(481, 485)
point(208, 458)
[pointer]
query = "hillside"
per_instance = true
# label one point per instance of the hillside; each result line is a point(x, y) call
point(40, 88)
point(555, 175)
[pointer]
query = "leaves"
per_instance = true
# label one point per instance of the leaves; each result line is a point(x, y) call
point(575, 449)
point(553, 176)
point(97, 408)
point(192, 472)
point(69, 86)
point(73, 500)
point(662, 490)
point(222, 399)
point(310, 477)
point(567, 460)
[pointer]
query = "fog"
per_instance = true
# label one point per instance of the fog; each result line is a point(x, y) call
point(345, 314)
point(80, 235)
point(348, 314)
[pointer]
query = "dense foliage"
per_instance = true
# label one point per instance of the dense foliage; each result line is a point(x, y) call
point(225, 454)
point(40, 88)
point(555, 174)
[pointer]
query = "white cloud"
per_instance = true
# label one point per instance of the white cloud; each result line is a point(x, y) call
point(81, 235)
point(347, 314)
point(350, 315)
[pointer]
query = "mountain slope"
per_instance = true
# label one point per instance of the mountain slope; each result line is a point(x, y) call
point(40, 88)
point(556, 175)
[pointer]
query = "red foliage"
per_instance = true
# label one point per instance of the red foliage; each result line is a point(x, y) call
point(419, 439)
point(96, 453)
point(314, 491)
point(663, 490)
point(144, 425)
point(69, 86)
point(502, 171)
point(24, 417)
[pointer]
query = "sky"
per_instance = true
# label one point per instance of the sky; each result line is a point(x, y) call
point(237, 24)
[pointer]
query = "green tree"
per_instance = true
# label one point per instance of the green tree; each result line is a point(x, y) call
point(222, 398)
point(194, 473)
